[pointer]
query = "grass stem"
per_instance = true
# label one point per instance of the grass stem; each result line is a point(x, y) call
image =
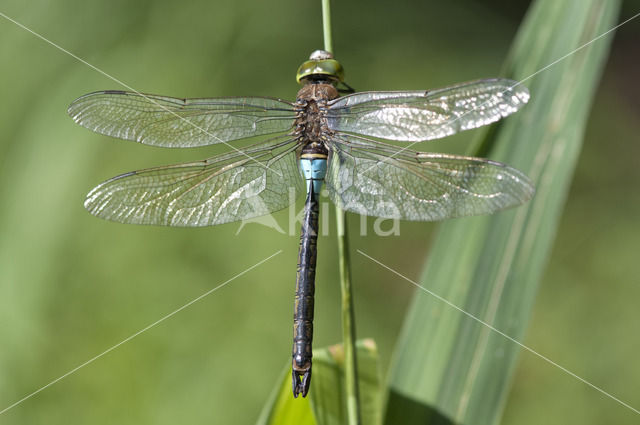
point(348, 317)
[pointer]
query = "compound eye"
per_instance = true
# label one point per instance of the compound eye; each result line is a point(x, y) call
point(322, 68)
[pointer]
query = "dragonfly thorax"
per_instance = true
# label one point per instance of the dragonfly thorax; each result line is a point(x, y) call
point(311, 124)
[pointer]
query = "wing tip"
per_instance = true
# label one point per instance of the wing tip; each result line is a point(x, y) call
point(525, 187)
point(517, 89)
point(75, 108)
point(92, 196)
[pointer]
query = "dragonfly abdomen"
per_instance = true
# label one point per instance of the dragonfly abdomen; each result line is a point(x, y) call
point(305, 290)
point(313, 162)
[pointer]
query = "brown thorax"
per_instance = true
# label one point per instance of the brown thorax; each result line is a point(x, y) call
point(311, 122)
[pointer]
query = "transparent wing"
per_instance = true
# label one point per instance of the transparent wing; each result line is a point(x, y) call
point(376, 179)
point(218, 190)
point(425, 115)
point(178, 123)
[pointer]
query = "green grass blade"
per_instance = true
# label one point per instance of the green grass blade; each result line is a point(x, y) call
point(348, 324)
point(283, 409)
point(448, 368)
point(326, 403)
point(329, 397)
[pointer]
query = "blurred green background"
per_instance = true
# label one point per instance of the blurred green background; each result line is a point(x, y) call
point(72, 286)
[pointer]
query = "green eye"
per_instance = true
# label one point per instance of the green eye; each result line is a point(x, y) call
point(320, 65)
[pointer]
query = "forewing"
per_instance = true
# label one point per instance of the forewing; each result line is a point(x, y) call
point(377, 180)
point(425, 115)
point(178, 123)
point(221, 189)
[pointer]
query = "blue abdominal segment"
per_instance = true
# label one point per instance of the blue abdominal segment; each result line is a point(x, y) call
point(314, 170)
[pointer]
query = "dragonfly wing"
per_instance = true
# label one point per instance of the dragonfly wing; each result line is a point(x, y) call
point(425, 115)
point(178, 123)
point(221, 189)
point(366, 177)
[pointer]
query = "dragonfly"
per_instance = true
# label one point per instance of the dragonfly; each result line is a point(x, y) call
point(321, 138)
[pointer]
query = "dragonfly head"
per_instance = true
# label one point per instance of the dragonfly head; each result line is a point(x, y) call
point(321, 66)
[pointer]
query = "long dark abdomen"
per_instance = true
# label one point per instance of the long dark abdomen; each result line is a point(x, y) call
point(305, 289)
